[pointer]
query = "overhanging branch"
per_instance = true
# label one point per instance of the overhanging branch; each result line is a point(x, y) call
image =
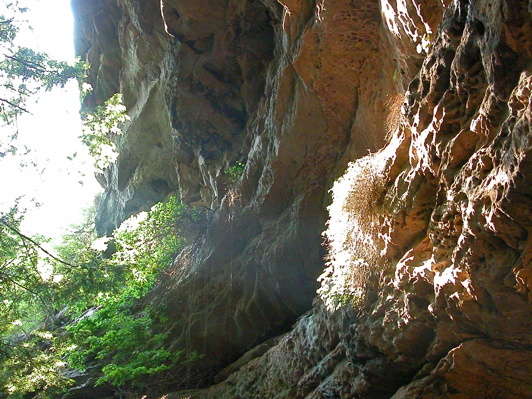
point(14, 105)
point(25, 237)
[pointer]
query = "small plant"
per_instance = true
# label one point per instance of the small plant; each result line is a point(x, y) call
point(235, 172)
point(341, 285)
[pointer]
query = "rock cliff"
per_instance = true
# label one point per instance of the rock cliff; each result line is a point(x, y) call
point(400, 127)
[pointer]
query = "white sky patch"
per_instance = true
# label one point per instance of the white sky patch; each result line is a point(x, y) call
point(54, 188)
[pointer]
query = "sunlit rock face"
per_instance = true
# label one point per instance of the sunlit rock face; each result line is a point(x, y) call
point(425, 290)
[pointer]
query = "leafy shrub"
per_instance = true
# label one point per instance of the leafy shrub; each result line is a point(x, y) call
point(235, 172)
point(115, 340)
point(148, 242)
point(94, 276)
point(126, 345)
point(32, 364)
point(29, 361)
point(101, 129)
point(141, 247)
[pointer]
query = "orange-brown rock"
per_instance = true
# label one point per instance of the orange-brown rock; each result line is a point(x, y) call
point(426, 287)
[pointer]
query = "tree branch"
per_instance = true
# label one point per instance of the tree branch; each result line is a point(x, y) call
point(25, 237)
point(46, 304)
point(29, 64)
point(15, 105)
point(35, 269)
point(7, 277)
point(6, 265)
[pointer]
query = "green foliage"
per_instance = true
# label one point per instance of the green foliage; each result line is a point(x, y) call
point(33, 364)
point(35, 346)
point(8, 30)
point(35, 285)
point(149, 242)
point(115, 339)
point(95, 275)
point(29, 361)
point(101, 129)
point(25, 72)
point(123, 344)
point(340, 286)
point(235, 172)
point(23, 289)
point(27, 65)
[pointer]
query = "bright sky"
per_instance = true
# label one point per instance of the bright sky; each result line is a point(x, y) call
point(54, 189)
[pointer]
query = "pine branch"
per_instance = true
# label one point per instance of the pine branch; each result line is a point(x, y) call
point(45, 303)
point(25, 237)
point(15, 105)
point(6, 265)
point(6, 276)
point(29, 64)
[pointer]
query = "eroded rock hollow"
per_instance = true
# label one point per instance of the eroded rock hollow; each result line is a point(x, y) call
point(402, 128)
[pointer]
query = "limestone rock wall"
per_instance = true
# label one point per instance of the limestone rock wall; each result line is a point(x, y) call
point(426, 287)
